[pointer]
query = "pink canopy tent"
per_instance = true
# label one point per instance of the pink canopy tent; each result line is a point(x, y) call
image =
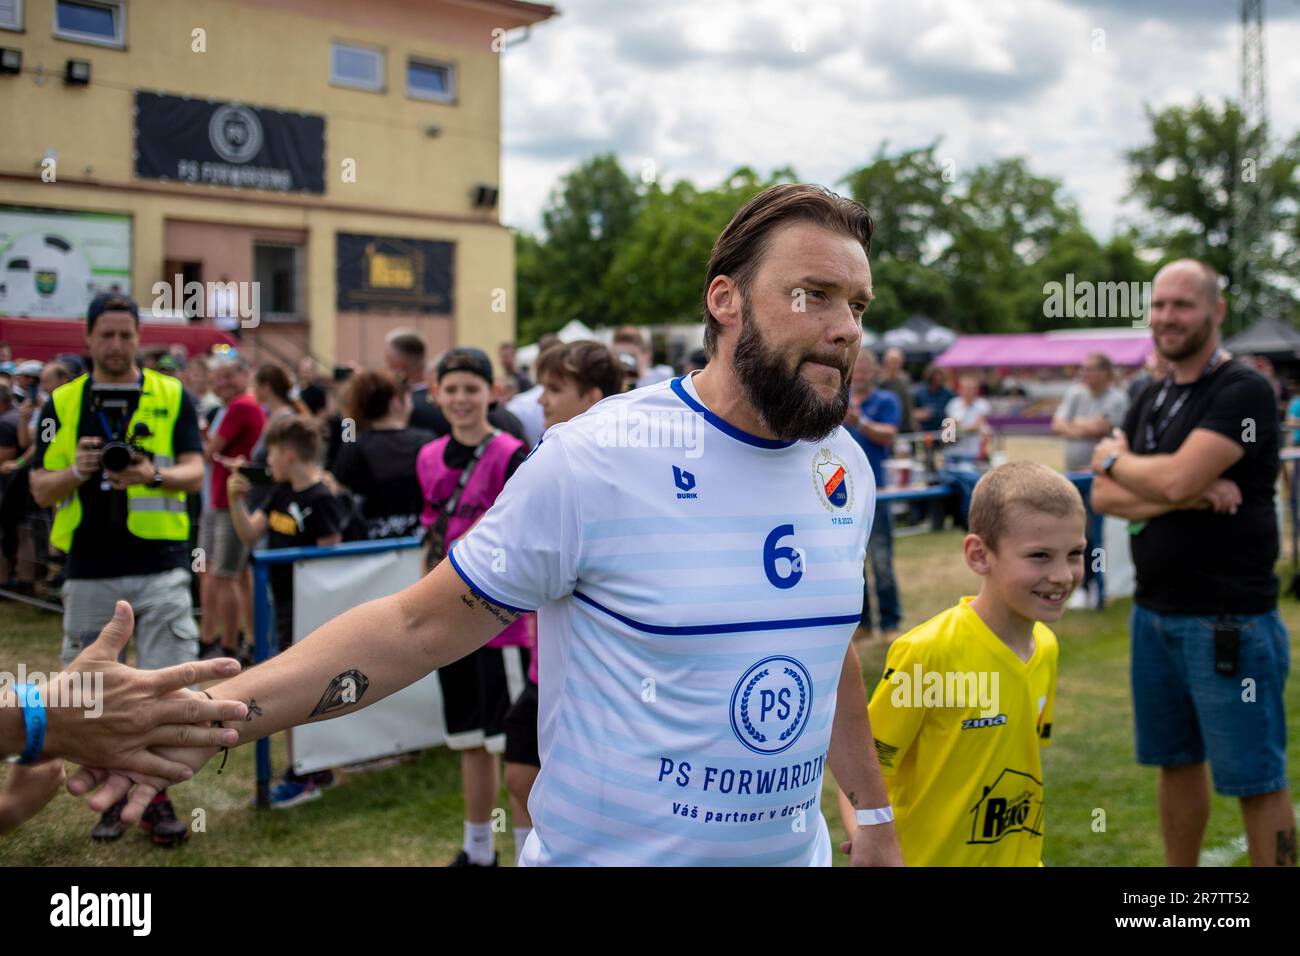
point(1043, 350)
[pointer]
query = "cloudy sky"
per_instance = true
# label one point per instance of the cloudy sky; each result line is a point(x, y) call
point(694, 88)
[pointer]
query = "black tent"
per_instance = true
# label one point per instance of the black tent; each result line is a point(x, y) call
point(921, 339)
point(1270, 336)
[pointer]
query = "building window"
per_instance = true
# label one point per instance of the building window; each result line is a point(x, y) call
point(359, 67)
point(277, 268)
point(101, 21)
point(11, 14)
point(429, 80)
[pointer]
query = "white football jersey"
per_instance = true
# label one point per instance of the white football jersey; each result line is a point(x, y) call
point(697, 588)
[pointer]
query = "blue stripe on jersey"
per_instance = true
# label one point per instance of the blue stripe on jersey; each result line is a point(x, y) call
point(723, 425)
point(744, 593)
point(451, 556)
point(716, 628)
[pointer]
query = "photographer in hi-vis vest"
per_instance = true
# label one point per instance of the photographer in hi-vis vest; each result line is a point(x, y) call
point(116, 452)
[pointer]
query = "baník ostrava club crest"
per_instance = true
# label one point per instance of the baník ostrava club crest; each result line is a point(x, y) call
point(833, 480)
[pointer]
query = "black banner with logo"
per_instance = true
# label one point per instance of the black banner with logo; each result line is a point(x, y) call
point(228, 144)
point(378, 273)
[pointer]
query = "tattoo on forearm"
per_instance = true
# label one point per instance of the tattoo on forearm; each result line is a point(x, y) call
point(343, 691)
point(1286, 847)
point(852, 799)
point(253, 710)
point(472, 600)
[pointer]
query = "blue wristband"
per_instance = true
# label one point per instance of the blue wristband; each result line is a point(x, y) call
point(29, 699)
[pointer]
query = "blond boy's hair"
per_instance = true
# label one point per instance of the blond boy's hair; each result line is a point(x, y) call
point(1024, 485)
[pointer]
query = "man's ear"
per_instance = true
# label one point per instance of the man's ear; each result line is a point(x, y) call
point(724, 301)
point(977, 553)
point(590, 397)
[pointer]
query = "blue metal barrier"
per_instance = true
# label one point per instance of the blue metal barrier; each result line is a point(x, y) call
point(263, 559)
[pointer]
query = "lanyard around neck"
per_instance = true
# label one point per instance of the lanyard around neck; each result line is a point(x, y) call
point(1155, 432)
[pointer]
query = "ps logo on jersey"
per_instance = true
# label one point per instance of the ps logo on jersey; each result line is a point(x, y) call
point(771, 704)
point(833, 480)
point(686, 482)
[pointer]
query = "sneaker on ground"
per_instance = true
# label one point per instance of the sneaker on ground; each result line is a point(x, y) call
point(290, 792)
point(159, 821)
point(462, 859)
point(110, 826)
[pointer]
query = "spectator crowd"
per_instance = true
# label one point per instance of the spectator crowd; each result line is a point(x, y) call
point(214, 457)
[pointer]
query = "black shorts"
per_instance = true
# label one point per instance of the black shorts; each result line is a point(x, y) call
point(521, 729)
point(476, 693)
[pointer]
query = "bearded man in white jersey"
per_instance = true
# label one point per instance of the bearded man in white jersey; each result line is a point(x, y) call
point(694, 550)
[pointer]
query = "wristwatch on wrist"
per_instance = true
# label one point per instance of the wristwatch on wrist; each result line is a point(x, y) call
point(1108, 463)
point(157, 480)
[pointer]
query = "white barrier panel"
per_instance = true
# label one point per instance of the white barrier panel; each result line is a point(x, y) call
point(409, 720)
point(1120, 576)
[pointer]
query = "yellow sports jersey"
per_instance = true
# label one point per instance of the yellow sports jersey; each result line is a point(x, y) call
point(958, 719)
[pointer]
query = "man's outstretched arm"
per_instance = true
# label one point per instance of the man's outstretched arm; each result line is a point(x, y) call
point(360, 657)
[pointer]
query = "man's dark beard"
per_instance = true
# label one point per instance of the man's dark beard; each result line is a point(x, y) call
point(1194, 343)
point(785, 403)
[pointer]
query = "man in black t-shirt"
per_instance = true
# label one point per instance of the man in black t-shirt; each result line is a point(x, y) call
point(1194, 471)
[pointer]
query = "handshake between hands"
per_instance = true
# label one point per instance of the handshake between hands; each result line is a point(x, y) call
point(149, 730)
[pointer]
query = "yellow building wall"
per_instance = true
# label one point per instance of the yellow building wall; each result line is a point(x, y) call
point(262, 56)
point(484, 257)
point(268, 54)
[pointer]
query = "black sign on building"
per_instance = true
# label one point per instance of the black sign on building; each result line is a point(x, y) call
point(228, 144)
point(382, 273)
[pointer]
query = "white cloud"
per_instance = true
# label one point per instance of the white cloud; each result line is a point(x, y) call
point(703, 88)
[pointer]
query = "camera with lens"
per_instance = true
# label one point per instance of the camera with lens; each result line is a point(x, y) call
point(115, 404)
point(116, 455)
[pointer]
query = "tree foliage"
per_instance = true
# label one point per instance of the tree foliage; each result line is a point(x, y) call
point(973, 250)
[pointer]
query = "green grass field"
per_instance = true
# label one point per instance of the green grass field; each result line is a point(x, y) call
point(410, 814)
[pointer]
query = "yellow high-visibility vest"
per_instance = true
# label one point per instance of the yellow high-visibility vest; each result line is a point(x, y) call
point(157, 514)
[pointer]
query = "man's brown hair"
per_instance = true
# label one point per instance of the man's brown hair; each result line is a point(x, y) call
point(406, 343)
point(302, 433)
point(1024, 485)
point(741, 246)
point(589, 364)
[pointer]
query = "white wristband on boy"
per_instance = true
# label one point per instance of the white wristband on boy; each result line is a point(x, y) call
point(874, 818)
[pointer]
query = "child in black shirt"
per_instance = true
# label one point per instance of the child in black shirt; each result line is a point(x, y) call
point(299, 511)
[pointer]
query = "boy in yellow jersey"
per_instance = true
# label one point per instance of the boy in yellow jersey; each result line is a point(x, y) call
point(966, 699)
